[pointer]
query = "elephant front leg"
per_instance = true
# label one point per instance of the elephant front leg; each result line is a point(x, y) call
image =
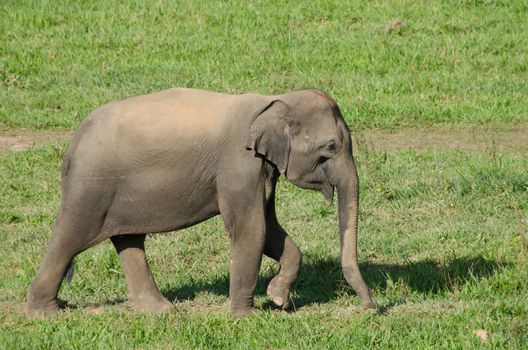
point(246, 255)
point(246, 227)
point(280, 247)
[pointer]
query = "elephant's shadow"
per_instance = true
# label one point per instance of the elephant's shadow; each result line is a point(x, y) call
point(321, 281)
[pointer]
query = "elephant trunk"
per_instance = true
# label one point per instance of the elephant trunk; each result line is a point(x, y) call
point(348, 197)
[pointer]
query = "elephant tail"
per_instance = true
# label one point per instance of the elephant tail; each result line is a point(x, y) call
point(68, 275)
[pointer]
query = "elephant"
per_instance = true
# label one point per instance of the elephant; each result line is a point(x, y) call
point(172, 159)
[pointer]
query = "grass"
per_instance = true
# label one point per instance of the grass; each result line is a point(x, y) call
point(443, 235)
point(450, 61)
point(441, 248)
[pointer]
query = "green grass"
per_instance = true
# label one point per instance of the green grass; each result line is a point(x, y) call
point(443, 233)
point(450, 62)
point(441, 247)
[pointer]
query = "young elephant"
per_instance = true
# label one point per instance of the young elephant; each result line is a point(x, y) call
point(169, 160)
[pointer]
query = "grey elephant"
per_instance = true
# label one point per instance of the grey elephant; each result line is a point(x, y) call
point(169, 160)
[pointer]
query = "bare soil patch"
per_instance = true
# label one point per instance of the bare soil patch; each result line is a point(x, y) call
point(453, 137)
point(23, 139)
point(512, 139)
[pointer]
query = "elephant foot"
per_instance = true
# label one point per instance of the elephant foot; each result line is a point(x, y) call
point(368, 306)
point(243, 312)
point(279, 292)
point(36, 309)
point(152, 306)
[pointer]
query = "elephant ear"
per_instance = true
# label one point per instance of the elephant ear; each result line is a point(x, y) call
point(269, 134)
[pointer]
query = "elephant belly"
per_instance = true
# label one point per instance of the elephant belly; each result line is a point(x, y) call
point(149, 205)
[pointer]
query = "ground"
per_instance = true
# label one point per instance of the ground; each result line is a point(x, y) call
point(443, 244)
point(435, 97)
point(504, 138)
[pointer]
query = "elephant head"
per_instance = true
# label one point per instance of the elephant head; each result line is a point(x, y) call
point(304, 134)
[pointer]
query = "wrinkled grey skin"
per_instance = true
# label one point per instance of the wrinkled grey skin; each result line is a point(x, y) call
point(169, 160)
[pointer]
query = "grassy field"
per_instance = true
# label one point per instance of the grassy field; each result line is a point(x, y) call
point(443, 232)
point(449, 61)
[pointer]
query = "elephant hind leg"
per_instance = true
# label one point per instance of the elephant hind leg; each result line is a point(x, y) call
point(142, 289)
point(69, 238)
point(280, 247)
point(78, 227)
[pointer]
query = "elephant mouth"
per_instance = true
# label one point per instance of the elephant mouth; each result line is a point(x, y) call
point(314, 179)
point(325, 188)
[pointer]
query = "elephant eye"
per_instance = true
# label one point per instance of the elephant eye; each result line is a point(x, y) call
point(330, 147)
point(328, 150)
